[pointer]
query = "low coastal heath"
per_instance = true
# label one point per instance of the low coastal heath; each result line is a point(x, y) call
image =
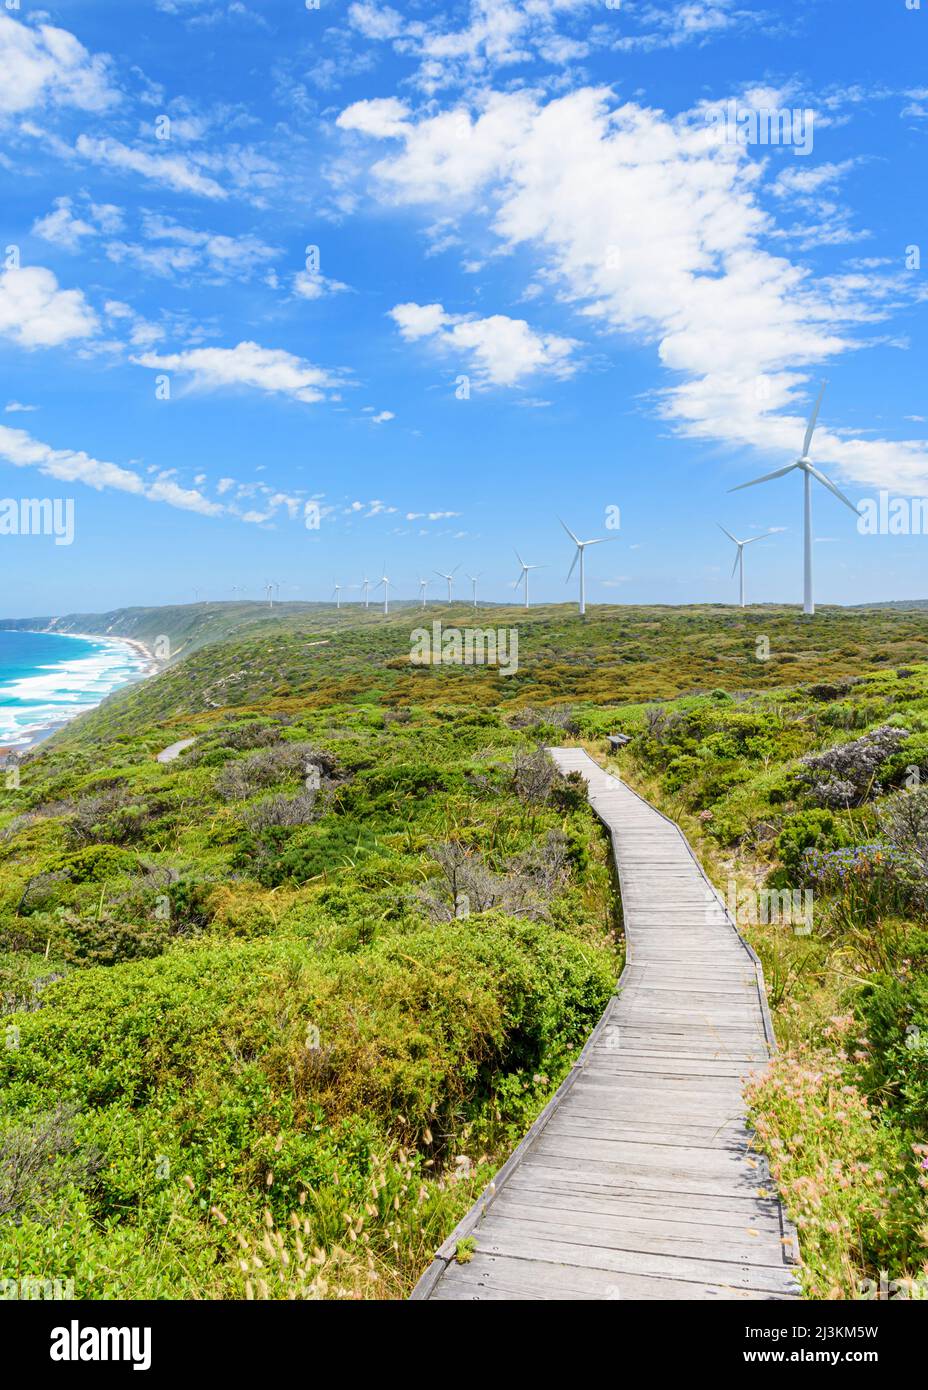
point(38, 516)
point(469, 646)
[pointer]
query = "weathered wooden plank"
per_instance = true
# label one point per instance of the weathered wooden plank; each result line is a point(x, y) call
point(717, 1213)
point(525, 1245)
point(745, 1244)
point(644, 1158)
point(499, 1277)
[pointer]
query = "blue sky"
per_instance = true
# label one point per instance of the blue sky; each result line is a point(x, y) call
point(542, 286)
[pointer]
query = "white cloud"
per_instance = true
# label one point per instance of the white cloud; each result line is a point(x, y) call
point(61, 227)
point(502, 350)
point(804, 189)
point(417, 321)
point(68, 465)
point(17, 408)
point(188, 499)
point(311, 285)
point(248, 364)
point(382, 417)
point(174, 171)
point(375, 21)
point(107, 217)
point(141, 333)
point(797, 179)
point(21, 450)
point(172, 249)
point(34, 312)
point(651, 230)
point(381, 116)
point(74, 466)
point(45, 66)
point(499, 34)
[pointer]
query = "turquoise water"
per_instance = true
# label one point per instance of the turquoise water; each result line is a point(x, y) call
point(46, 678)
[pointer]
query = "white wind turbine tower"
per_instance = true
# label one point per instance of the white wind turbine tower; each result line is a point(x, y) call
point(739, 558)
point(523, 574)
point(365, 589)
point(337, 594)
point(581, 547)
point(423, 585)
point(473, 579)
point(384, 580)
point(808, 471)
point(449, 578)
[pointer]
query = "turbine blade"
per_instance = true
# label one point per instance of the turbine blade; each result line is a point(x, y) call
point(826, 482)
point(765, 477)
point(735, 565)
point(570, 533)
point(727, 533)
point(810, 427)
point(601, 540)
point(751, 539)
point(571, 570)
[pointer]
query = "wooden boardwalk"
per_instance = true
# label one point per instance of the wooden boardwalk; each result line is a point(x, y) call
point(638, 1180)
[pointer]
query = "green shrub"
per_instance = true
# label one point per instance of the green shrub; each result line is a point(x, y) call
point(815, 829)
point(96, 864)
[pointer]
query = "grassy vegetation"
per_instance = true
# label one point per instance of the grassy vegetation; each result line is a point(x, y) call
point(276, 1009)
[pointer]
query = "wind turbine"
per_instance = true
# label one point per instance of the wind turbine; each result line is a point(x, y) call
point(808, 471)
point(449, 578)
point(337, 594)
point(581, 547)
point(523, 574)
point(423, 585)
point(386, 590)
point(365, 589)
point(473, 579)
point(739, 557)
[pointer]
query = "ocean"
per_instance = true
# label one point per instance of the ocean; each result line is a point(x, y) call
point(47, 678)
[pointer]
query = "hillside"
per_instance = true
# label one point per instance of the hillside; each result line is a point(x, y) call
point(305, 656)
point(327, 965)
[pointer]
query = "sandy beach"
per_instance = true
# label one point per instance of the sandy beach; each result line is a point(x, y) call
point(27, 737)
